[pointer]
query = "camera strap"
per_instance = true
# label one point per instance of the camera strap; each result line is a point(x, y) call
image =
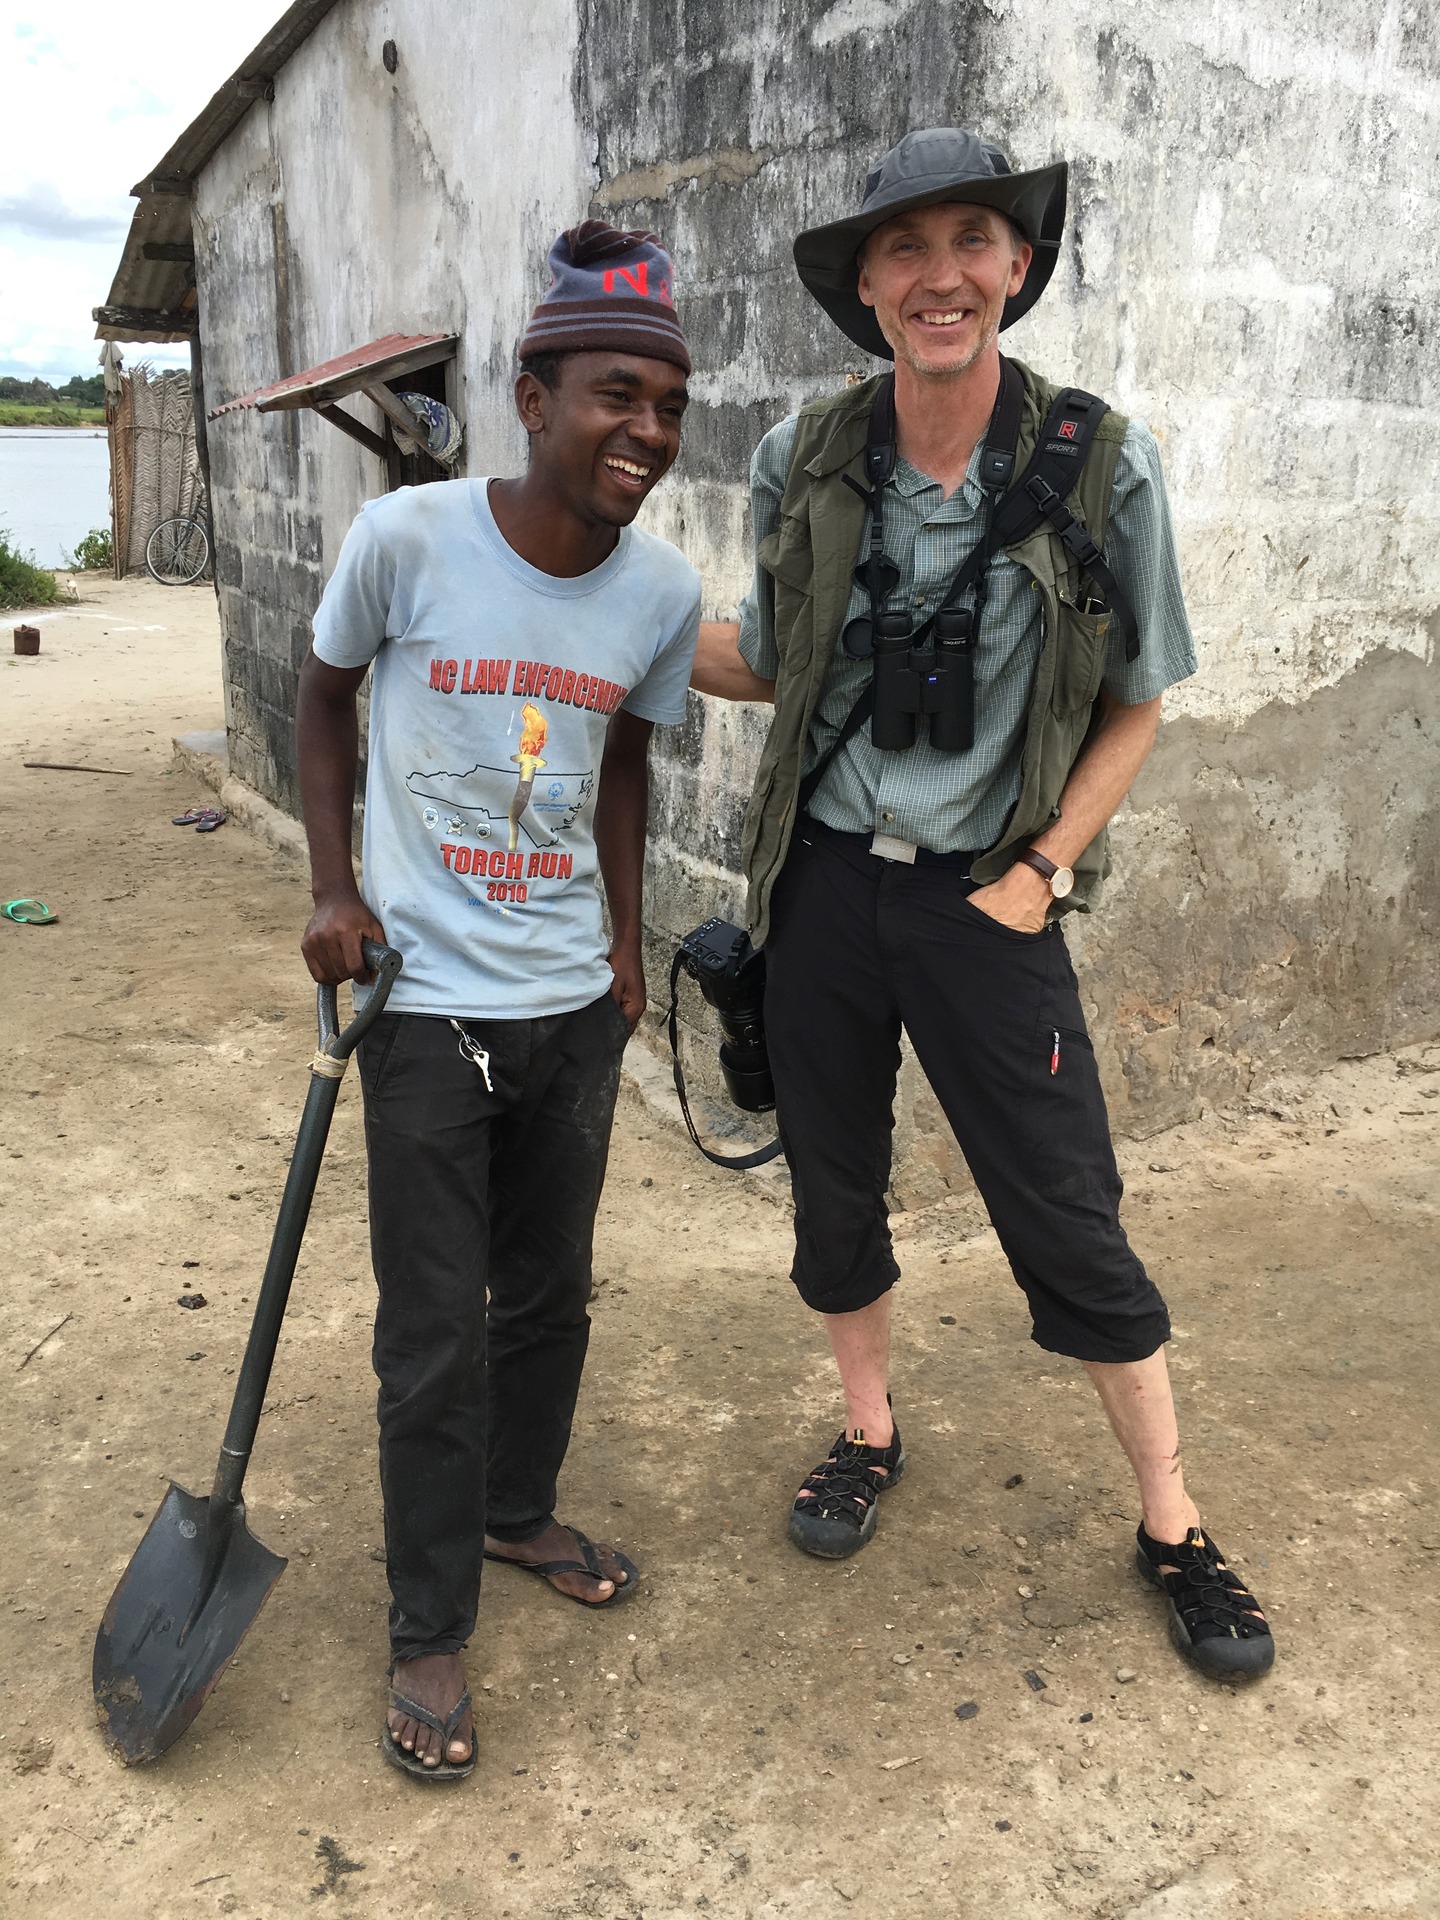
point(738, 1162)
point(853, 722)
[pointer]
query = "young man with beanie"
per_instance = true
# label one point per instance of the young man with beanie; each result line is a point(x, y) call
point(525, 638)
point(1012, 622)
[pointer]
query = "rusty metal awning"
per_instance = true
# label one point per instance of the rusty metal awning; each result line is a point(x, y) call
point(375, 365)
point(368, 370)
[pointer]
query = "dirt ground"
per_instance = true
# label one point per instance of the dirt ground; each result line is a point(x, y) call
point(755, 1734)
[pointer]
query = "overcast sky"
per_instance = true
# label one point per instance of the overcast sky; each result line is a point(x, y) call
point(95, 95)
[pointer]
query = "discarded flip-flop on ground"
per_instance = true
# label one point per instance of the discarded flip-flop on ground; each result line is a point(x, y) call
point(28, 913)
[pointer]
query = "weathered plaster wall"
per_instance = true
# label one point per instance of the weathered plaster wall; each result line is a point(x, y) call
point(1250, 265)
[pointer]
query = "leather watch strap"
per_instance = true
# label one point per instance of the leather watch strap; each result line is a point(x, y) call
point(1046, 869)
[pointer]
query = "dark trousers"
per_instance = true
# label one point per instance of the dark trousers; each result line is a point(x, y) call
point(860, 947)
point(478, 1191)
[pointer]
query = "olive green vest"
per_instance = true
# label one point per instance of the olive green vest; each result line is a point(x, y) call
point(808, 563)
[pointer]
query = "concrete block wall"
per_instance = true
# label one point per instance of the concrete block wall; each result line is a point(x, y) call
point(1250, 266)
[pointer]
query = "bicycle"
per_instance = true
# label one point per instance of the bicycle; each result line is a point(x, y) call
point(178, 551)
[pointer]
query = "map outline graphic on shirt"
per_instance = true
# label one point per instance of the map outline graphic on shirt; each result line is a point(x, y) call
point(552, 810)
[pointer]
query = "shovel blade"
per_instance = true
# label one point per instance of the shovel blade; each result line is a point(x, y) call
point(149, 1682)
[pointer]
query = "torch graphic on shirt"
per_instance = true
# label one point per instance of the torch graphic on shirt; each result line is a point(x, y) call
point(532, 741)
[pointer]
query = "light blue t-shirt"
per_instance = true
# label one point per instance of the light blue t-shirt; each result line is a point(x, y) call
point(492, 690)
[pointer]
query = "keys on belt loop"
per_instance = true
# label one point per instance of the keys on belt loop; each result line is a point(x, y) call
point(471, 1048)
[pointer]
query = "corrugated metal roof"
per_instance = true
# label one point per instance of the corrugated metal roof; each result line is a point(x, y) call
point(381, 360)
point(154, 298)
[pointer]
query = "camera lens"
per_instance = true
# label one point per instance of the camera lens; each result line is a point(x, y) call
point(747, 1078)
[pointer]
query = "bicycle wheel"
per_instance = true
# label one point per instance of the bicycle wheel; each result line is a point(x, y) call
point(177, 551)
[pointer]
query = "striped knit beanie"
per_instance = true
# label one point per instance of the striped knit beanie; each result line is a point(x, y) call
point(608, 289)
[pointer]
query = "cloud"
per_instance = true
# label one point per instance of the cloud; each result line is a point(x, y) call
point(141, 103)
point(44, 215)
point(100, 103)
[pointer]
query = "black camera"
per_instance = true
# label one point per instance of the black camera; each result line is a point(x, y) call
point(934, 682)
point(731, 975)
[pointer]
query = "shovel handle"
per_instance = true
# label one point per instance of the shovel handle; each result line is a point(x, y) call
point(274, 1292)
point(385, 963)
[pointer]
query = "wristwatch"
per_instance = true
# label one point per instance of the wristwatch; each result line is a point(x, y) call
point(1061, 879)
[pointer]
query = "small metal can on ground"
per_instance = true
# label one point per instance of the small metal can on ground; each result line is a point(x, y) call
point(27, 639)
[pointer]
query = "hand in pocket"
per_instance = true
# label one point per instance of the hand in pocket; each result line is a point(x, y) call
point(1019, 900)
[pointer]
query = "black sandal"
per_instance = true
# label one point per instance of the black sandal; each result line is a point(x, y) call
point(590, 1564)
point(411, 1763)
point(840, 1518)
point(1215, 1621)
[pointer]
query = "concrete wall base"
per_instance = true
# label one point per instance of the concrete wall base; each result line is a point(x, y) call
point(205, 758)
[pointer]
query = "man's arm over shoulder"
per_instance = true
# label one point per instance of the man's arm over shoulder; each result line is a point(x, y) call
point(721, 668)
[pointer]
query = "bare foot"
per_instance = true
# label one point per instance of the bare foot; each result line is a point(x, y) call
point(436, 1681)
point(559, 1543)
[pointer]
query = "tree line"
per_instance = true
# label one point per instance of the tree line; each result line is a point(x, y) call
point(81, 390)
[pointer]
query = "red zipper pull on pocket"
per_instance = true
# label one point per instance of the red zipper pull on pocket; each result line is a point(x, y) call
point(1055, 1050)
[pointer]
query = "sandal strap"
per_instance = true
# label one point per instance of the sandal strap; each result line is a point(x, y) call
point(1211, 1599)
point(588, 1553)
point(446, 1727)
point(590, 1564)
point(845, 1486)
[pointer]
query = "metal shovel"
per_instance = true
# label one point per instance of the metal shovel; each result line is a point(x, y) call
point(199, 1577)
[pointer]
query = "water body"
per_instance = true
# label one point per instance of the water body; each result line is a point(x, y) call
point(54, 487)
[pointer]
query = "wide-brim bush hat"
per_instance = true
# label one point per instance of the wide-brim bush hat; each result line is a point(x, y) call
point(930, 167)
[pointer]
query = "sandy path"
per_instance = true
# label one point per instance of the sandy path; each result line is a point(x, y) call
point(756, 1734)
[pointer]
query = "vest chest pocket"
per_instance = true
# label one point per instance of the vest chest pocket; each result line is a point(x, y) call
point(789, 558)
point(1080, 657)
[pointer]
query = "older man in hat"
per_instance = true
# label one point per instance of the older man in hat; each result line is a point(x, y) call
point(966, 609)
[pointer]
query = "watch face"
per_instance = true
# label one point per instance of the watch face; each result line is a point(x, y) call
point(1061, 881)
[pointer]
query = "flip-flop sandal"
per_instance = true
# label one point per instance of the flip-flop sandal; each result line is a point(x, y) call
point(28, 913)
point(409, 1762)
point(590, 1564)
point(203, 819)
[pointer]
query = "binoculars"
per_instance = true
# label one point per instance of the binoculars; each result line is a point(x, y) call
point(934, 682)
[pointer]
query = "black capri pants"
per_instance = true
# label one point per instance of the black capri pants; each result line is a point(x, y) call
point(860, 947)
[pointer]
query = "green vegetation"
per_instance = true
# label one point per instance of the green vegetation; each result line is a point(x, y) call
point(35, 403)
point(19, 415)
point(81, 390)
point(22, 583)
point(93, 552)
